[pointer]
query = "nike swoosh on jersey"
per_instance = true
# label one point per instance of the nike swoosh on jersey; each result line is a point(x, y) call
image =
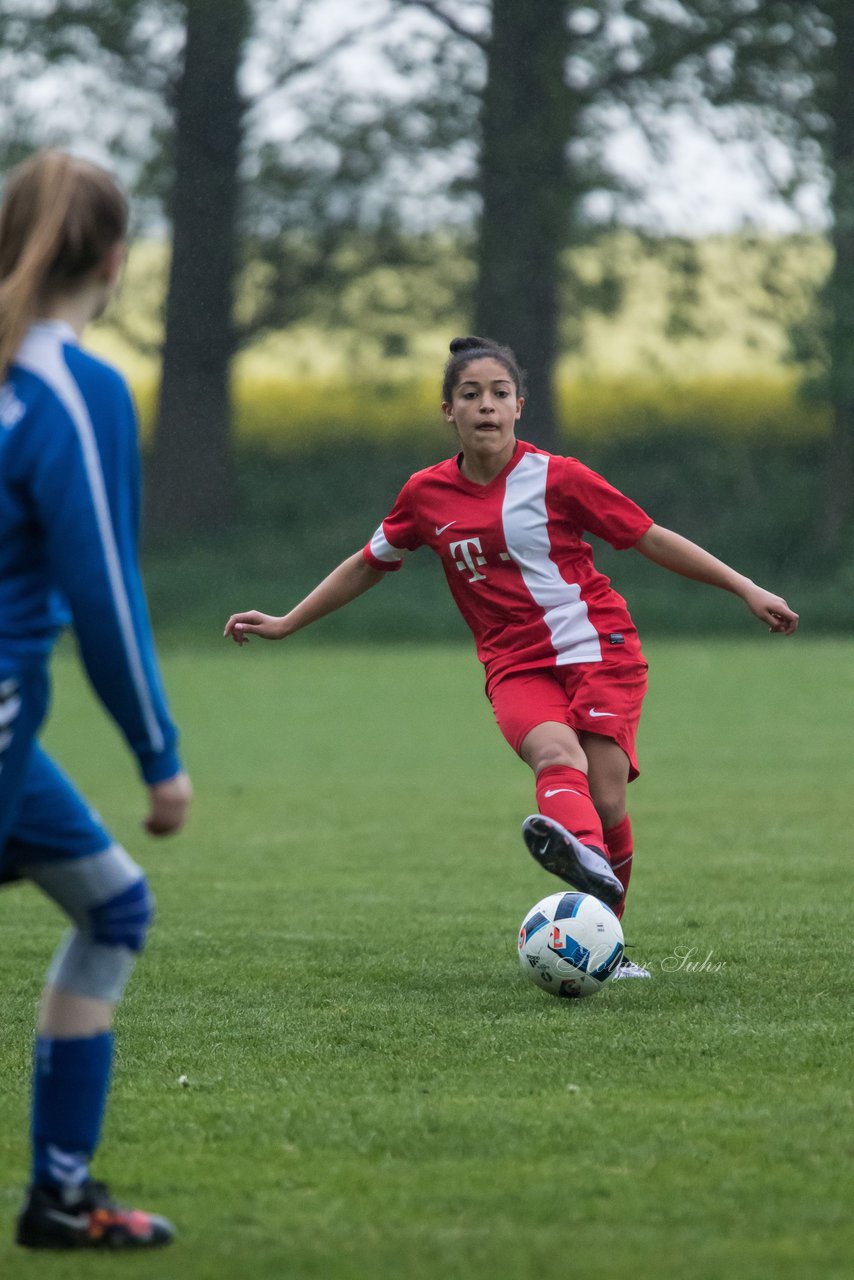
point(444, 527)
point(555, 791)
point(597, 715)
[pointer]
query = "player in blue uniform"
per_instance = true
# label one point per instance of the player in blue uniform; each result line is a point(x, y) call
point(69, 498)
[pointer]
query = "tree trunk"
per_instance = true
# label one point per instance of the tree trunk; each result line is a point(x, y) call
point(525, 191)
point(840, 484)
point(190, 486)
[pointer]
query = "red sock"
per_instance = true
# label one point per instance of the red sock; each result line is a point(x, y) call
point(563, 794)
point(619, 842)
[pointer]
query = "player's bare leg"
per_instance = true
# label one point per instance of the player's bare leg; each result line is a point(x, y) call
point(608, 777)
point(552, 744)
point(64, 1014)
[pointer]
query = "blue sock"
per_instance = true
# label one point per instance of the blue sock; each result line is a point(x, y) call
point(71, 1081)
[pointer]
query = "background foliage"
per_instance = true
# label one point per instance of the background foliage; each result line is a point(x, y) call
point(331, 196)
point(360, 222)
point(687, 401)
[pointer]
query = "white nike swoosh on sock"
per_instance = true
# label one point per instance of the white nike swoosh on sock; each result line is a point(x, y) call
point(556, 791)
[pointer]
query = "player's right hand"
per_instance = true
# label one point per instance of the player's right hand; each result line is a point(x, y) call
point(241, 626)
point(168, 805)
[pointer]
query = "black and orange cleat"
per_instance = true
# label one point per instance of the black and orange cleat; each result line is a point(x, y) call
point(87, 1218)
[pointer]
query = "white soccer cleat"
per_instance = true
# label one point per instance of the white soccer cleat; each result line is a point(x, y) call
point(628, 969)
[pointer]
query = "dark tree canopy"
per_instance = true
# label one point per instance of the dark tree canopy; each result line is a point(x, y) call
point(516, 101)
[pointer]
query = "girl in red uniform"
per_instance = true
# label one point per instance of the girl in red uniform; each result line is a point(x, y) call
point(564, 669)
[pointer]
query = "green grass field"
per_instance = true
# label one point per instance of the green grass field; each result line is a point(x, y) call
point(375, 1090)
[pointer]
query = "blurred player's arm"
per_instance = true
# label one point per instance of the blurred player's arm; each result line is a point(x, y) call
point(352, 578)
point(673, 552)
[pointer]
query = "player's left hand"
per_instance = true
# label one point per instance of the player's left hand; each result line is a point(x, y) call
point(772, 610)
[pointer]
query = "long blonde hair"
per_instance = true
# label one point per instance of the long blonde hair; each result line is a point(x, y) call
point(59, 218)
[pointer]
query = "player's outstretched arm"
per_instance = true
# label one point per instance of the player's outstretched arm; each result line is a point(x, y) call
point(351, 579)
point(676, 553)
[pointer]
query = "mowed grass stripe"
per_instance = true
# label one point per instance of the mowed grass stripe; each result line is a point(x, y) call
point(374, 1088)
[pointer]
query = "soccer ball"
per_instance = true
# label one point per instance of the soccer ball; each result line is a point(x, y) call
point(570, 944)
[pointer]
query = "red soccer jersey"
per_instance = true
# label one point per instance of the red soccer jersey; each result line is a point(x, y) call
point(513, 554)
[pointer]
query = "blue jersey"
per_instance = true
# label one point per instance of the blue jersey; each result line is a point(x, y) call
point(69, 518)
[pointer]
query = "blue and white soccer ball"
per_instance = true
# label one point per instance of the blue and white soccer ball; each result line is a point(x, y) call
point(570, 944)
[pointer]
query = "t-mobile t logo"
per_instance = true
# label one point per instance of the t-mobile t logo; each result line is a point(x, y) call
point(465, 549)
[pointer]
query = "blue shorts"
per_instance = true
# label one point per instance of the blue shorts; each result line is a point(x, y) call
point(42, 816)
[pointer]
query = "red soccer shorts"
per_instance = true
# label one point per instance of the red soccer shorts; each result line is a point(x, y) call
point(591, 697)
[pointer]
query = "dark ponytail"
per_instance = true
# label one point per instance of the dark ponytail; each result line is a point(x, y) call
point(465, 350)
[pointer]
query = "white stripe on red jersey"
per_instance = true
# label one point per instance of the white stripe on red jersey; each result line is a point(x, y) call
point(382, 550)
point(526, 531)
point(513, 555)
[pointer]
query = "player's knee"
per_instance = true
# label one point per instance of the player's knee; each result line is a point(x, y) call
point(84, 967)
point(124, 920)
point(559, 753)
